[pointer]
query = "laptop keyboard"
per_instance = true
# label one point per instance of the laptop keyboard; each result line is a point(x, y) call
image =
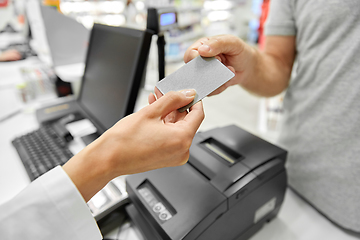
point(41, 150)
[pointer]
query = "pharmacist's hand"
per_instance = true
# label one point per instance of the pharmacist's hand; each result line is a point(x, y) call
point(172, 117)
point(10, 55)
point(230, 50)
point(144, 141)
point(140, 142)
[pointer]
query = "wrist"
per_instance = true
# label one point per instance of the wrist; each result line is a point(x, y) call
point(89, 171)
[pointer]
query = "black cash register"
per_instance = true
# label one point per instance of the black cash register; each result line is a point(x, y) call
point(233, 183)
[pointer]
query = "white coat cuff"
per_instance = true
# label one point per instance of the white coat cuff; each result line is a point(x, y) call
point(70, 204)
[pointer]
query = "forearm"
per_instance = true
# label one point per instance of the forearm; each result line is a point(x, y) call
point(89, 171)
point(10, 55)
point(269, 75)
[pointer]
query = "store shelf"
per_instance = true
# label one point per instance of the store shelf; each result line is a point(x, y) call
point(114, 12)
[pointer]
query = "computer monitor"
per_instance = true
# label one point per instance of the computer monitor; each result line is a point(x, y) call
point(67, 38)
point(115, 65)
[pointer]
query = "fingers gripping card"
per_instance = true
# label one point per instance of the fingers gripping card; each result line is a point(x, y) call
point(202, 74)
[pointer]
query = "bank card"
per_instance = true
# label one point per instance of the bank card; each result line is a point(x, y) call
point(202, 74)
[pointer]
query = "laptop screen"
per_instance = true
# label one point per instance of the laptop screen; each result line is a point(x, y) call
point(115, 64)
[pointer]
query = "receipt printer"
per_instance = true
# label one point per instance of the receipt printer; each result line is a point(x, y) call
point(233, 183)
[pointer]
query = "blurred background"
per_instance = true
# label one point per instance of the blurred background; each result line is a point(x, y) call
point(196, 19)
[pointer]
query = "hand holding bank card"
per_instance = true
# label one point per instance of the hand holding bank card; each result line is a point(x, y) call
point(202, 74)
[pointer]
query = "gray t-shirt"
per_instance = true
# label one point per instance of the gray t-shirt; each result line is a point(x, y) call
point(321, 128)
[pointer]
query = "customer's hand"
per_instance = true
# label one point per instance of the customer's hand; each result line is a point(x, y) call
point(230, 50)
point(140, 142)
point(10, 55)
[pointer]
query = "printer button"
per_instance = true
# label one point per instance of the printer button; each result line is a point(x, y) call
point(165, 215)
point(159, 207)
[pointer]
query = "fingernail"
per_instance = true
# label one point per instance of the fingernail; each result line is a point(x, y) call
point(189, 92)
point(204, 48)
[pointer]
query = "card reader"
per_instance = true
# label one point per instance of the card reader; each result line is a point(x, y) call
point(233, 183)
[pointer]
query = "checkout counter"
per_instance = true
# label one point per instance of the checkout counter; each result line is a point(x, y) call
point(290, 217)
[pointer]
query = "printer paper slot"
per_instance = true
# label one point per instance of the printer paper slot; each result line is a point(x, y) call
point(229, 156)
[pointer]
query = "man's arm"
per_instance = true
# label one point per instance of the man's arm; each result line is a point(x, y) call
point(272, 69)
point(263, 73)
point(10, 55)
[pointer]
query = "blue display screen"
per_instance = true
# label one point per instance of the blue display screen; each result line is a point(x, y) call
point(167, 18)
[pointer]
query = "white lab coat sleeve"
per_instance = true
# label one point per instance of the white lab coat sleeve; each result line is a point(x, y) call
point(51, 207)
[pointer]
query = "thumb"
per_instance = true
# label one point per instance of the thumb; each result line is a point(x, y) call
point(172, 101)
